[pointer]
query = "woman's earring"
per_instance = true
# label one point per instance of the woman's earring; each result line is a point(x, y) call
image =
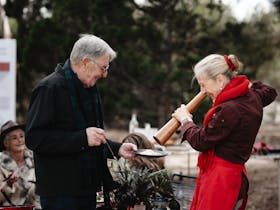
point(221, 88)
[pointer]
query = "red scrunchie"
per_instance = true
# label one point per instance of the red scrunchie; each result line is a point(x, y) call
point(229, 63)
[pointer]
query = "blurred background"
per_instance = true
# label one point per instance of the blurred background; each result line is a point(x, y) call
point(158, 42)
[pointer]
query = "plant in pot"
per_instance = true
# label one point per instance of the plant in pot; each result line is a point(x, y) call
point(142, 185)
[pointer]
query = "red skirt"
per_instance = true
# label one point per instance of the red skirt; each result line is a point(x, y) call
point(218, 186)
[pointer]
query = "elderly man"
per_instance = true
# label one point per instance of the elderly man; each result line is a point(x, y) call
point(64, 128)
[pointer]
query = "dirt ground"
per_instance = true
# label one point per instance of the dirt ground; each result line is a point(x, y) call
point(263, 190)
point(263, 172)
point(262, 169)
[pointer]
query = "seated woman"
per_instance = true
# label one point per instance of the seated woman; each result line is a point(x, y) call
point(17, 176)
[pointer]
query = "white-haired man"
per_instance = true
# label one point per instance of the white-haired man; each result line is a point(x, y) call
point(64, 128)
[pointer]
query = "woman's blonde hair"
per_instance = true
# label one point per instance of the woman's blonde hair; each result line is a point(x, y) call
point(215, 64)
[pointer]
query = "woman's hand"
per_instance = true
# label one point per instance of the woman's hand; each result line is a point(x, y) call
point(182, 113)
point(12, 178)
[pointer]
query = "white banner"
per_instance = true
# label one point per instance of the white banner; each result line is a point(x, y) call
point(7, 80)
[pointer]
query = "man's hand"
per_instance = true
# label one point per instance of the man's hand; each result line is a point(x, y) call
point(95, 136)
point(127, 150)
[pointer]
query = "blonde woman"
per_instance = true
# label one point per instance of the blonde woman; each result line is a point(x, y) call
point(228, 133)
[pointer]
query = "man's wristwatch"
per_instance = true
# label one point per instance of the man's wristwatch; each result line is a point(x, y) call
point(186, 120)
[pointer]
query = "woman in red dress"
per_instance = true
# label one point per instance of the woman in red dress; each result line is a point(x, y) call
point(226, 139)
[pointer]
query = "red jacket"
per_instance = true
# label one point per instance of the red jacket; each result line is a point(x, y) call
point(232, 130)
point(227, 141)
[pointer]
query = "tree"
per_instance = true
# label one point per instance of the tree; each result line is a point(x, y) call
point(157, 45)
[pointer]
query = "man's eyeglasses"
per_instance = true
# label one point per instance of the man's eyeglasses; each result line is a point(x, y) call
point(103, 68)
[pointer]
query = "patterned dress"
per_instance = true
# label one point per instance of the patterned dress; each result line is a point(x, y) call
point(22, 192)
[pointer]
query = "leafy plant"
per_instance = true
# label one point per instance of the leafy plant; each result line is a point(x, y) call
point(141, 185)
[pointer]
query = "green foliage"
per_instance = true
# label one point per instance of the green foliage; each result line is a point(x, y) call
point(141, 185)
point(277, 5)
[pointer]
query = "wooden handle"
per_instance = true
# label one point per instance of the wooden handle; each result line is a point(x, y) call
point(172, 125)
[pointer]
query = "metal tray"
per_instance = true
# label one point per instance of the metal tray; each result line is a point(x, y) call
point(151, 153)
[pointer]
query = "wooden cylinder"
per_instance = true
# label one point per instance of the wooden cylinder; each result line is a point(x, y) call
point(172, 125)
